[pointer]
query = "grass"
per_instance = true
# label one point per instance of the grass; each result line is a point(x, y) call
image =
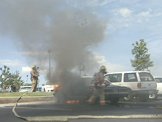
point(31, 94)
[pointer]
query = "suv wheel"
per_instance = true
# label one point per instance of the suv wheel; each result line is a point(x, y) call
point(153, 96)
point(129, 97)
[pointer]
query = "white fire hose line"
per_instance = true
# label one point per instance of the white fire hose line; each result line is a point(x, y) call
point(66, 118)
point(13, 110)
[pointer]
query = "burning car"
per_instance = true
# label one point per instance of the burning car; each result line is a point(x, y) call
point(82, 90)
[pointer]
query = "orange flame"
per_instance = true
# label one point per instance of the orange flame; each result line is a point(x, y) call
point(72, 101)
point(57, 87)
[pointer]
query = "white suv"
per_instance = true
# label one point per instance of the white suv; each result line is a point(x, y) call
point(158, 80)
point(140, 83)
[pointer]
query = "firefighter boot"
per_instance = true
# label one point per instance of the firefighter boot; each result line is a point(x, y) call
point(90, 102)
point(102, 102)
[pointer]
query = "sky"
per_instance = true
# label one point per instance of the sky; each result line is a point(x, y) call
point(123, 22)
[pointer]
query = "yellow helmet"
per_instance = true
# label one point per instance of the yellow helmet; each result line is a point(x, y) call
point(33, 66)
point(102, 68)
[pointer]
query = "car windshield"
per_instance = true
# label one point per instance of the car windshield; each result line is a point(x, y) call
point(144, 76)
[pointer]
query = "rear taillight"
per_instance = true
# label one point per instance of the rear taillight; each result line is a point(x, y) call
point(139, 85)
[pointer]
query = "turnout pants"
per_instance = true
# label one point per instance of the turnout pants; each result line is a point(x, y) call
point(98, 93)
point(34, 85)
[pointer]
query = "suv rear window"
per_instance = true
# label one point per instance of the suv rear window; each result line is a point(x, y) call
point(130, 77)
point(144, 76)
point(114, 77)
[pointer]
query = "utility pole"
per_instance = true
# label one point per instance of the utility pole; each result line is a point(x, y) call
point(27, 78)
point(49, 51)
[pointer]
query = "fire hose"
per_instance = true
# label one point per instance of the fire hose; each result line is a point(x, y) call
point(47, 118)
point(13, 110)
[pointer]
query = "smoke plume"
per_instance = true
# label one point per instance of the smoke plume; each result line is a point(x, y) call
point(37, 26)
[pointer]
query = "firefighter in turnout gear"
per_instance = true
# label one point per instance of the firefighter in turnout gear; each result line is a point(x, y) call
point(98, 81)
point(34, 78)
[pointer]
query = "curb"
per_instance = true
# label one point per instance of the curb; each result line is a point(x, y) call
point(24, 100)
point(67, 118)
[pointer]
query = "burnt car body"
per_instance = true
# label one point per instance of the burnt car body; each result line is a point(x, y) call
point(82, 90)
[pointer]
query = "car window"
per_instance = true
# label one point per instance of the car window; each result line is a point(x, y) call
point(25, 87)
point(39, 89)
point(130, 77)
point(158, 80)
point(144, 76)
point(114, 77)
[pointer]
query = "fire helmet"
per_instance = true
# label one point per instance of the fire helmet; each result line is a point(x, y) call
point(102, 68)
point(33, 66)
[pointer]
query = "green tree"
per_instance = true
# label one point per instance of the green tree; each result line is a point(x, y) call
point(6, 78)
point(142, 59)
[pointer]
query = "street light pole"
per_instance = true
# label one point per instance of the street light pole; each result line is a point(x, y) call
point(27, 78)
point(49, 51)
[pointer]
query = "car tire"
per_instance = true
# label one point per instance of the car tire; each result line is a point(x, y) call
point(144, 97)
point(130, 96)
point(153, 96)
point(114, 100)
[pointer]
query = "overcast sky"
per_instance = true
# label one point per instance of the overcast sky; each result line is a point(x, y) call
point(126, 22)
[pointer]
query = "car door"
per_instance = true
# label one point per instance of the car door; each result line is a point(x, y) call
point(130, 81)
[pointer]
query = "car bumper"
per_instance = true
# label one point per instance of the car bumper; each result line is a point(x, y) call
point(145, 92)
point(49, 90)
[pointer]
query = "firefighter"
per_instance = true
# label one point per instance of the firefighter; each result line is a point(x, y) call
point(34, 78)
point(99, 92)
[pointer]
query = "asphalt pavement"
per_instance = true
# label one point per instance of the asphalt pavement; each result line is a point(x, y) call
point(135, 111)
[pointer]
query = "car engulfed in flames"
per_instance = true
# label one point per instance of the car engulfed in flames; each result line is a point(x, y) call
point(83, 89)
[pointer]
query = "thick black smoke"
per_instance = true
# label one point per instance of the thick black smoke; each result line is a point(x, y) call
point(39, 25)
